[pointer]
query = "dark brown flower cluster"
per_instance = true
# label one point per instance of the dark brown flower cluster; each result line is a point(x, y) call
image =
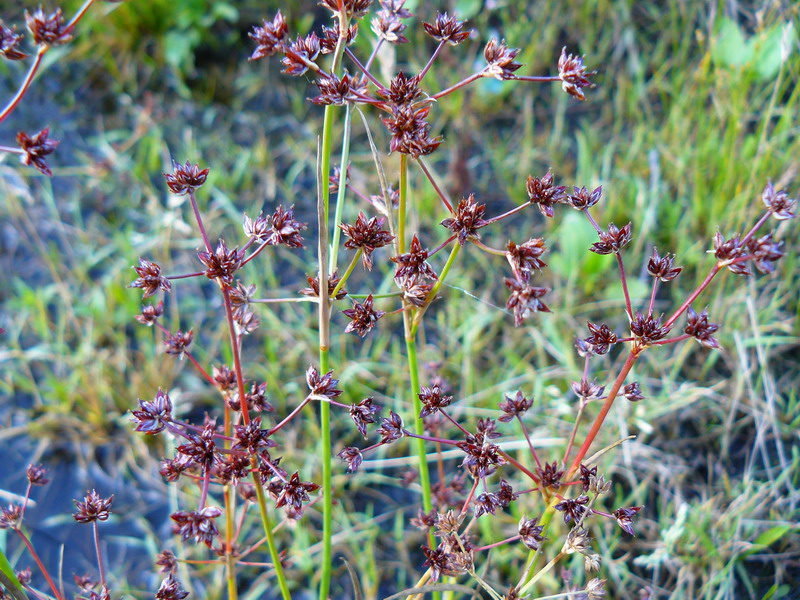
point(467, 219)
point(197, 525)
point(363, 317)
point(185, 179)
point(544, 194)
point(299, 56)
point(698, 326)
point(153, 416)
point(222, 263)
point(410, 130)
point(387, 24)
point(514, 407)
point(285, 230)
point(48, 29)
point(648, 329)
point(339, 90)
point(613, 240)
point(313, 287)
point(10, 42)
point(364, 413)
point(150, 278)
point(662, 267)
point(93, 508)
point(524, 300)
point(324, 386)
point(35, 148)
point(433, 400)
point(294, 493)
point(178, 342)
point(366, 234)
point(270, 38)
point(500, 58)
point(526, 257)
point(573, 74)
point(446, 28)
point(583, 199)
point(413, 265)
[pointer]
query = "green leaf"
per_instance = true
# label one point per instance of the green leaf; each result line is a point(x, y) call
point(772, 535)
point(731, 48)
point(772, 48)
point(9, 579)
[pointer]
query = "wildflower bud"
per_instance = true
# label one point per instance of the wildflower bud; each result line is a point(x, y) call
point(11, 516)
point(550, 475)
point(324, 385)
point(598, 485)
point(367, 235)
point(573, 74)
point(586, 476)
point(587, 391)
point(333, 281)
point(295, 492)
point(9, 43)
point(661, 267)
point(24, 576)
point(446, 29)
point(330, 38)
point(467, 220)
point(35, 148)
point(613, 240)
point(93, 508)
point(424, 521)
point(514, 407)
point(778, 203)
point(601, 339)
point(765, 251)
point(433, 399)
point(448, 523)
point(300, 55)
point(544, 194)
point(285, 229)
point(271, 37)
point(36, 475)
point(47, 29)
point(150, 278)
point(698, 326)
point(222, 263)
point(153, 417)
point(166, 562)
point(524, 300)
point(177, 343)
point(402, 89)
point(352, 456)
point(728, 251)
point(573, 508)
point(647, 329)
point(530, 533)
point(391, 428)
point(388, 26)
point(583, 199)
point(578, 540)
point(486, 503)
point(633, 392)
point(170, 589)
point(414, 264)
point(338, 91)
point(150, 314)
point(591, 563)
point(186, 178)
point(595, 589)
point(197, 525)
point(500, 58)
point(505, 494)
point(353, 8)
point(624, 517)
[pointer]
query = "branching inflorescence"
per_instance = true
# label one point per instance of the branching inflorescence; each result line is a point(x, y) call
point(240, 453)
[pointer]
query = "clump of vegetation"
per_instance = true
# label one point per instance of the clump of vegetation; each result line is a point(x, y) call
point(232, 463)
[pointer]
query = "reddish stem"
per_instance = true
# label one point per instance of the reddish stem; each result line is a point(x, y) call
point(237, 361)
point(506, 214)
point(289, 417)
point(755, 228)
point(674, 340)
point(199, 220)
point(536, 78)
point(436, 187)
point(682, 308)
point(364, 70)
point(519, 465)
point(624, 281)
point(25, 84)
point(431, 60)
point(255, 253)
point(40, 564)
point(459, 85)
point(454, 422)
point(100, 565)
point(496, 544)
point(598, 422)
point(442, 246)
point(530, 444)
point(187, 275)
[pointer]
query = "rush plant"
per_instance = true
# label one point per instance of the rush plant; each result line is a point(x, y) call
point(232, 460)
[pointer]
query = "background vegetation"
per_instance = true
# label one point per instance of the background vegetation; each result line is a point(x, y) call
point(696, 108)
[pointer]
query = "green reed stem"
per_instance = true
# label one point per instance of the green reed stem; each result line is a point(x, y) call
point(323, 183)
point(273, 550)
point(350, 268)
point(337, 218)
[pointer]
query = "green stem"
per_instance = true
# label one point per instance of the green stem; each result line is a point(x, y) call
point(273, 550)
point(436, 287)
point(337, 218)
point(401, 216)
point(350, 268)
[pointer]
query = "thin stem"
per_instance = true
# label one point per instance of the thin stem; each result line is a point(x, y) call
point(200, 369)
point(289, 417)
point(349, 271)
point(364, 70)
point(428, 438)
point(100, 565)
point(624, 281)
point(448, 205)
point(446, 415)
point(374, 53)
point(40, 564)
point(337, 218)
point(568, 451)
point(496, 544)
point(375, 296)
point(442, 246)
point(230, 563)
point(78, 15)
point(519, 465)
point(23, 88)
point(687, 303)
point(653, 297)
point(401, 211)
point(537, 78)
point(674, 340)
point(542, 571)
point(436, 287)
point(468, 501)
point(459, 85)
point(598, 423)
point(431, 60)
point(530, 444)
point(273, 550)
point(277, 300)
point(187, 275)
point(253, 254)
point(237, 359)
point(488, 249)
point(755, 228)
point(506, 214)
point(199, 220)
point(11, 150)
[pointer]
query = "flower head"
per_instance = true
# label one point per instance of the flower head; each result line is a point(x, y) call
point(93, 508)
point(150, 278)
point(364, 413)
point(186, 178)
point(524, 300)
point(199, 525)
point(324, 385)
point(48, 29)
point(514, 406)
point(698, 326)
point(222, 263)
point(9, 43)
point(573, 74)
point(433, 399)
point(544, 194)
point(500, 59)
point(526, 257)
point(778, 203)
point(467, 220)
point(270, 38)
point(367, 235)
point(414, 264)
point(446, 28)
point(613, 240)
point(35, 148)
point(662, 267)
point(153, 417)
